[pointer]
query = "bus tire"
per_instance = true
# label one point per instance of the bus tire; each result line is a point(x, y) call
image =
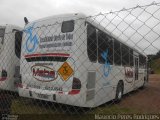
point(144, 84)
point(119, 92)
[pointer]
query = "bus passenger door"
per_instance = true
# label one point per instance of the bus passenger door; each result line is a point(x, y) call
point(91, 81)
point(136, 71)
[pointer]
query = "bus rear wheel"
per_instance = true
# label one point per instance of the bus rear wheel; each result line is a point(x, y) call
point(144, 83)
point(119, 92)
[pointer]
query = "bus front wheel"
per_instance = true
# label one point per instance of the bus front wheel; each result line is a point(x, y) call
point(119, 92)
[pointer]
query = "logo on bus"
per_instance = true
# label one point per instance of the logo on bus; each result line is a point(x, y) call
point(32, 40)
point(43, 73)
point(128, 72)
point(106, 66)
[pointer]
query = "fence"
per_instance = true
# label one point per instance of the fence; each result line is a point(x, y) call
point(70, 61)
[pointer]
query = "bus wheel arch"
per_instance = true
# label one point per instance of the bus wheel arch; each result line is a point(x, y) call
point(119, 91)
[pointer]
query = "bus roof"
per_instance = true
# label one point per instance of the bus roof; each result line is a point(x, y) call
point(61, 17)
point(77, 16)
point(10, 25)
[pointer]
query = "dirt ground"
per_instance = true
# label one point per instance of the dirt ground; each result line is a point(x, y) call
point(145, 100)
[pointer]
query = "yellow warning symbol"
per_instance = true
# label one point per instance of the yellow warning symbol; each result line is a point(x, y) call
point(65, 71)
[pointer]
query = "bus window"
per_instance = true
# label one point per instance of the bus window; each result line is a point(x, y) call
point(105, 43)
point(2, 31)
point(4, 73)
point(117, 52)
point(131, 57)
point(67, 26)
point(125, 55)
point(91, 43)
point(142, 61)
point(18, 41)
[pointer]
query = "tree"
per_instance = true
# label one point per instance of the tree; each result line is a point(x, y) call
point(157, 55)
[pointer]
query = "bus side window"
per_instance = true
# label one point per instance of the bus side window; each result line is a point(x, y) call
point(131, 57)
point(1, 41)
point(18, 41)
point(2, 32)
point(92, 43)
point(125, 55)
point(105, 43)
point(142, 61)
point(117, 52)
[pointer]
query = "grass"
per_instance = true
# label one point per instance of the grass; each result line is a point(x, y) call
point(155, 65)
point(34, 109)
point(113, 109)
point(28, 106)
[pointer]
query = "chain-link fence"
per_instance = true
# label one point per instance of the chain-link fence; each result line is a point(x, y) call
point(82, 65)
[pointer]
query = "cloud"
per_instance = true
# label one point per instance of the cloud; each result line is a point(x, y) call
point(12, 12)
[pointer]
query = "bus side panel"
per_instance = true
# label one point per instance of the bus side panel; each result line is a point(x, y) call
point(9, 60)
point(106, 86)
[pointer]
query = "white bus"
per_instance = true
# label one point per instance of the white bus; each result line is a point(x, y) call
point(10, 49)
point(72, 60)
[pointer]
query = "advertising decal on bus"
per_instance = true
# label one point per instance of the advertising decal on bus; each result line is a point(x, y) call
point(60, 40)
point(128, 74)
point(32, 40)
point(48, 74)
point(106, 66)
point(43, 73)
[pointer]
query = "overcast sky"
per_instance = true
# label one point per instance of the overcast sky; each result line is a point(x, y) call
point(13, 11)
